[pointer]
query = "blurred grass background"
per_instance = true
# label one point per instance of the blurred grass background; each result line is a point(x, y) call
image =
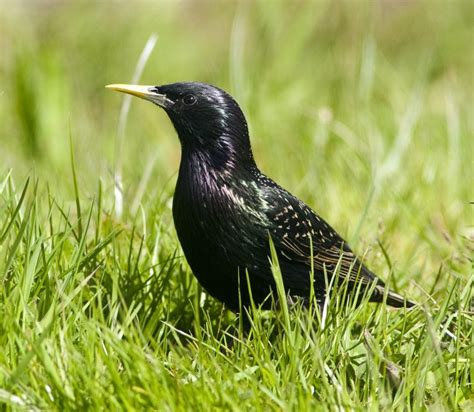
point(362, 109)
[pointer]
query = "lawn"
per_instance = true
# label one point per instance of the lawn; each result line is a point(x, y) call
point(362, 109)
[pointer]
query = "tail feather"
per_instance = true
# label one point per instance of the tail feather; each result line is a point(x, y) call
point(393, 299)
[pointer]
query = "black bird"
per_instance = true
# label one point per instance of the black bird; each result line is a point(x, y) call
point(225, 210)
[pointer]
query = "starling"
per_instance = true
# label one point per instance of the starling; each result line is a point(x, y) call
point(225, 210)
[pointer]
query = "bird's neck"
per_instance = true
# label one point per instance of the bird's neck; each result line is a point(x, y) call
point(226, 155)
point(210, 169)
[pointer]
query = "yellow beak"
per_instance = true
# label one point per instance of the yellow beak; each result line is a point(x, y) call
point(144, 92)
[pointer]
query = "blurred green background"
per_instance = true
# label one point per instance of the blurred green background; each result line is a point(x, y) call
point(363, 109)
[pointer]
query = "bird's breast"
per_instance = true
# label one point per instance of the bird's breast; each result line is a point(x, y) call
point(209, 210)
point(218, 213)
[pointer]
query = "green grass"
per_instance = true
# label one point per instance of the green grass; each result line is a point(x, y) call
point(364, 110)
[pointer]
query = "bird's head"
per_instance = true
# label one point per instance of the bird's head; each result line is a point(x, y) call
point(208, 121)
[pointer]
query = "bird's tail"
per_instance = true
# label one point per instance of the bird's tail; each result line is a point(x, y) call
point(396, 300)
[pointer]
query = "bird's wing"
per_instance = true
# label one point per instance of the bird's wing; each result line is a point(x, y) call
point(300, 236)
point(331, 258)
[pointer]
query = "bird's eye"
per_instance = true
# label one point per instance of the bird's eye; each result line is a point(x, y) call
point(189, 99)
